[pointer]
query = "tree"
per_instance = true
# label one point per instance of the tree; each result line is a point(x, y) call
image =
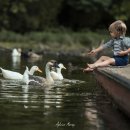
point(85, 13)
point(28, 15)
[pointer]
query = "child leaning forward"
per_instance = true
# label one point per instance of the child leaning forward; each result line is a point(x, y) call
point(120, 45)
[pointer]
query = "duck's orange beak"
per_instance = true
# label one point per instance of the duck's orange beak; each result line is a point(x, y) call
point(64, 68)
point(39, 70)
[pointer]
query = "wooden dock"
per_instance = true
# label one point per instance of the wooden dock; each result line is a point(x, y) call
point(116, 81)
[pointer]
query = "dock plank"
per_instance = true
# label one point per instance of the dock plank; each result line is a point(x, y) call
point(116, 81)
point(119, 74)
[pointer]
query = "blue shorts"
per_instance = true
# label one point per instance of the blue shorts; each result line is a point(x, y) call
point(121, 60)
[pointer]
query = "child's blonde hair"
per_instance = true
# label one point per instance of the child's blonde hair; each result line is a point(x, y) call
point(119, 27)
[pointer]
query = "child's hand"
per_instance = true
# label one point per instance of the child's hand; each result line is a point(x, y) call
point(122, 53)
point(93, 52)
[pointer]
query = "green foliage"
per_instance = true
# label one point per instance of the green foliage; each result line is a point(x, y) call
point(87, 13)
point(39, 15)
point(121, 10)
point(7, 36)
point(89, 5)
point(27, 15)
point(55, 40)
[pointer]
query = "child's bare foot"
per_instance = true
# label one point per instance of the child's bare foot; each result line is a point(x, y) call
point(92, 66)
point(87, 69)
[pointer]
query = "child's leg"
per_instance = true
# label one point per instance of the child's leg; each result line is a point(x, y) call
point(109, 61)
point(102, 63)
point(102, 58)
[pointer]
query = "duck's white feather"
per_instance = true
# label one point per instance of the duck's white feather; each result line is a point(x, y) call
point(45, 81)
point(7, 74)
point(58, 75)
point(25, 77)
point(16, 52)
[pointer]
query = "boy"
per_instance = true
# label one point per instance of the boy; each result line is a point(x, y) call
point(120, 45)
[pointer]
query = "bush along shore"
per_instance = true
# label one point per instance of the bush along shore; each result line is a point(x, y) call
point(53, 41)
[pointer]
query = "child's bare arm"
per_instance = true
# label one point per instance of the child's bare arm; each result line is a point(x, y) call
point(122, 53)
point(93, 52)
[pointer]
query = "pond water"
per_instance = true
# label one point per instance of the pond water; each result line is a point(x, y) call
point(80, 103)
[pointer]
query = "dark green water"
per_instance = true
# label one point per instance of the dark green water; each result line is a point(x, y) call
point(79, 104)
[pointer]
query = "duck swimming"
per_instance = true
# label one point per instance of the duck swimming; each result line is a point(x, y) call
point(7, 74)
point(26, 79)
point(58, 75)
point(32, 54)
point(48, 80)
point(16, 52)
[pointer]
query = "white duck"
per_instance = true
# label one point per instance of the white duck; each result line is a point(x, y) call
point(58, 75)
point(48, 80)
point(16, 52)
point(7, 74)
point(26, 79)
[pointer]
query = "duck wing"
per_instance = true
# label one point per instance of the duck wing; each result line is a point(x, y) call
point(35, 83)
point(38, 79)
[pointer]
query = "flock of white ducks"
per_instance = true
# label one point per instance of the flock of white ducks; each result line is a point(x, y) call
point(48, 80)
point(29, 78)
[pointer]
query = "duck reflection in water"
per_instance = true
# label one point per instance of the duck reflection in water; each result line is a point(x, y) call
point(16, 61)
